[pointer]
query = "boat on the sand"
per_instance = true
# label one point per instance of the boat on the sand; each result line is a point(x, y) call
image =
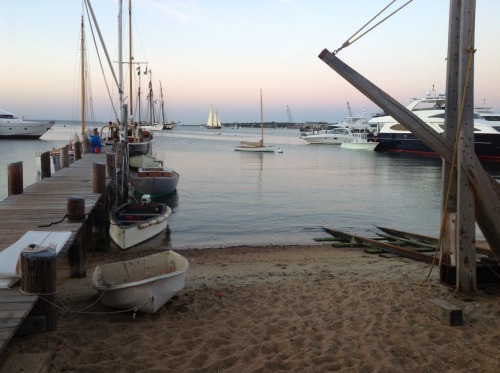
point(144, 284)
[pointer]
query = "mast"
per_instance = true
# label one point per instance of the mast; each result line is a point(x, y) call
point(130, 58)
point(120, 68)
point(162, 108)
point(261, 120)
point(83, 76)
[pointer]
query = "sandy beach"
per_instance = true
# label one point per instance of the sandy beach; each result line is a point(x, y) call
point(276, 309)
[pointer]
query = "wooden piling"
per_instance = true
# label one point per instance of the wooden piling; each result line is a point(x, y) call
point(110, 165)
point(15, 178)
point(38, 277)
point(75, 209)
point(64, 156)
point(45, 165)
point(99, 181)
point(77, 147)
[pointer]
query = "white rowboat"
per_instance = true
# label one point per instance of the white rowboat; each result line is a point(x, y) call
point(143, 284)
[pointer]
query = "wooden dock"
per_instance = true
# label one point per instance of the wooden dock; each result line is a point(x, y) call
point(43, 207)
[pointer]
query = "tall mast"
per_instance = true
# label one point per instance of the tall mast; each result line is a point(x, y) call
point(120, 64)
point(261, 119)
point(130, 56)
point(83, 76)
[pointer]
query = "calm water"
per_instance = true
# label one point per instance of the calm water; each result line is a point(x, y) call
point(232, 198)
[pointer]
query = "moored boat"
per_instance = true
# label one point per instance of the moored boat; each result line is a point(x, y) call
point(136, 222)
point(360, 142)
point(137, 161)
point(258, 146)
point(155, 181)
point(13, 127)
point(143, 284)
point(394, 137)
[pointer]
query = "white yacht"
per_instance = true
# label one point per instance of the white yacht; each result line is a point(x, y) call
point(12, 127)
point(345, 131)
point(393, 136)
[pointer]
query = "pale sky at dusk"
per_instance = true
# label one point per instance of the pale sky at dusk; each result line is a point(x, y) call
point(222, 52)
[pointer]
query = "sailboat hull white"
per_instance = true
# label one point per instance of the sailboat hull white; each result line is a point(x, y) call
point(261, 149)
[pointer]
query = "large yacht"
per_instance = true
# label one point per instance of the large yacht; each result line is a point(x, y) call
point(12, 127)
point(393, 136)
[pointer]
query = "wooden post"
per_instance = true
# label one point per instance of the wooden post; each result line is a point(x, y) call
point(77, 147)
point(45, 165)
point(15, 178)
point(77, 257)
point(99, 185)
point(38, 277)
point(64, 156)
point(110, 165)
point(75, 209)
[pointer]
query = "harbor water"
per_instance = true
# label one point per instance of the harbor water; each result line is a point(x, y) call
point(227, 198)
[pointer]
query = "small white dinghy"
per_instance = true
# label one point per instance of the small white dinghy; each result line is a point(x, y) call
point(136, 222)
point(143, 284)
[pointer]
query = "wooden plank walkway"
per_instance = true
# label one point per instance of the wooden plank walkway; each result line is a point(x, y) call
point(14, 307)
point(42, 203)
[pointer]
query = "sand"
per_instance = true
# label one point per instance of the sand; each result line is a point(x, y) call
point(277, 309)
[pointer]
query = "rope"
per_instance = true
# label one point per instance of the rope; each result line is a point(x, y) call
point(471, 52)
point(64, 217)
point(65, 309)
point(349, 41)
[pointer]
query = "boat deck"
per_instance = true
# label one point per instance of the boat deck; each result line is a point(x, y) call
point(42, 203)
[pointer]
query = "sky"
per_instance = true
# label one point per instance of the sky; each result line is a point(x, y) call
point(222, 52)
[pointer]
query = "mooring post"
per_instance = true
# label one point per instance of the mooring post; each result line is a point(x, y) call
point(38, 277)
point(99, 185)
point(77, 147)
point(45, 165)
point(110, 165)
point(75, 209)
point(15, 178)
point(64, 156)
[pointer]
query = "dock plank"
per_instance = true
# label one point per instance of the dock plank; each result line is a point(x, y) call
point(42, 203)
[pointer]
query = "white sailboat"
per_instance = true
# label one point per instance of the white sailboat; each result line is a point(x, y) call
point(258, 146)
point(213, 121)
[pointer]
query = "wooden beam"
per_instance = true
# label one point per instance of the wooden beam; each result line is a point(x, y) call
point(407, 253)
point(485, 187)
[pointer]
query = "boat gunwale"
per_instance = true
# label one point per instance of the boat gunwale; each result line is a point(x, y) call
point(139, 282)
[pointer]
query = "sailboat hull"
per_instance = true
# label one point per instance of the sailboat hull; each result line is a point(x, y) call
point(261, 149)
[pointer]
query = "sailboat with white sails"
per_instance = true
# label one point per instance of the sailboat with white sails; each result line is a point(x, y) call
point(213, 121)
point(258, 146)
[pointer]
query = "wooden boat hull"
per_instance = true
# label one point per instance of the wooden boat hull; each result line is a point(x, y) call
point(156, 186)
point(133, 223)
point(143, 284)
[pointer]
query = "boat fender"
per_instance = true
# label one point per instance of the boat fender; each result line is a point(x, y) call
point(161, 219)
point(143, 225)
point(154, 221)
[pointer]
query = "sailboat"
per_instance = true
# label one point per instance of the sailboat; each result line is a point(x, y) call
point(213, 121)
point(258, 146)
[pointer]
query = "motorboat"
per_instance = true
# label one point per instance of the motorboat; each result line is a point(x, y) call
point(360, 142)
point(144, 284)
point(341, 132)
point(136, 222)
point(13, 127)
point(395, 137)
point(155, 181)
